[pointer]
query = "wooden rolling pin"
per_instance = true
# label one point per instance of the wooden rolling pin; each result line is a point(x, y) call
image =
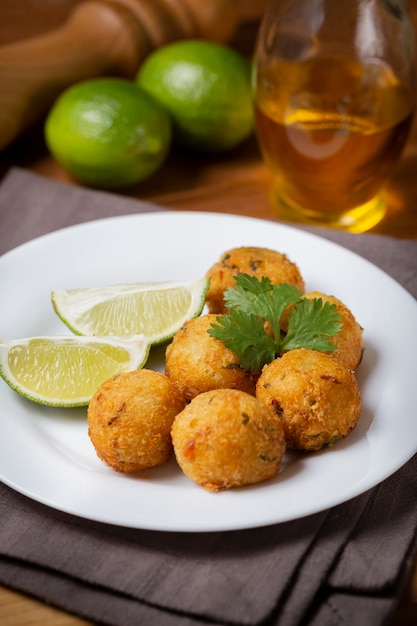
point(100, 37)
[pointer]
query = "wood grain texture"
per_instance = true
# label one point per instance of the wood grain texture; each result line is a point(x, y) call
point(18, 610)
point(35, 70)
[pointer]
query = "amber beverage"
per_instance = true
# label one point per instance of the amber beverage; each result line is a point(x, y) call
point(330, 155)
point(334, 95)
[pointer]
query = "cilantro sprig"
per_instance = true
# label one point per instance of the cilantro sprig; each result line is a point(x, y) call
point(311, 323)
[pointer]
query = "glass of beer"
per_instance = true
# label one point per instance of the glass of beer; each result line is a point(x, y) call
point(334, 93)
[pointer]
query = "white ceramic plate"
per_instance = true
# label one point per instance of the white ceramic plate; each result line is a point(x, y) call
point(45, 453)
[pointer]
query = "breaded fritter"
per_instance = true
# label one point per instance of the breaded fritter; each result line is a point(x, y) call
point(349, 341)
point(197, 362)
point(254, 261)
point(226, 438)
point(130, 418)
point(316, 397)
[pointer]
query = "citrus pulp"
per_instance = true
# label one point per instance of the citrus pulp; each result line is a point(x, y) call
point(66, 371)
point(156, 310)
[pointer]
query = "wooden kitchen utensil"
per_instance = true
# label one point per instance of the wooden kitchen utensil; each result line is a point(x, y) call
point(100, 37)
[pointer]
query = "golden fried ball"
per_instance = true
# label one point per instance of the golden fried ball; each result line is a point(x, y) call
point(130, 418)
point(349, 340)
point(316, 397)
point(226, 438)
point(253, 261)
point(197, 362)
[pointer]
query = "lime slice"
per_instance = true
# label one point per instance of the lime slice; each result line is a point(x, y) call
point(156, 310)
point(66, 371)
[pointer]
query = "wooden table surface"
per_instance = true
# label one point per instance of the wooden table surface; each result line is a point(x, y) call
point(238, 183)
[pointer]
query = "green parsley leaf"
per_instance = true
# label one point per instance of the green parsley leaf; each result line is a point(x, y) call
point(311, 324)
point(244, 334)
point(254, 304)
point(261, 298)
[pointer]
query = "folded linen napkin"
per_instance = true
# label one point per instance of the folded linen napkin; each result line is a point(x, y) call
point(344, 565)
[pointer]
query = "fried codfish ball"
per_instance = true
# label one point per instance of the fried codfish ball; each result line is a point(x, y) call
point(226, 438)
point(349, 341)
point(316, 397)
point(130, 418)
point(253, 261)
point(197, 362)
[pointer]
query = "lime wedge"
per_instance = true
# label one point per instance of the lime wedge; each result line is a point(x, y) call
point(156, 310)
point(66, 371)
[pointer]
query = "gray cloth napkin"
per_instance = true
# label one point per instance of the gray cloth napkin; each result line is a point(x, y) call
point(347, 565)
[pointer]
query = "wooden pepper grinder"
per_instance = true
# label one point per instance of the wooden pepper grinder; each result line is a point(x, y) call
point(100, 37)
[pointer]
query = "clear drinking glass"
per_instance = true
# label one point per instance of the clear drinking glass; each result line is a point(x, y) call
point(334, 87)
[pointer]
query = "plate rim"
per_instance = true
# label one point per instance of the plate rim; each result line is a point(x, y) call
point(204, 215)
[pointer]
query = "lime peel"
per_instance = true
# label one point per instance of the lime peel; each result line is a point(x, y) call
point(108, 132)
point(65, 371)
point(206, 89)
point(156, 310)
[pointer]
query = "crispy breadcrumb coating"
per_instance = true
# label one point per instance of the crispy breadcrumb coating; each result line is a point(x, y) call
point(316, 397)
point(349, 341)
point(197, 362)
point(253, 261)
point(130, 418)
point(226, 438)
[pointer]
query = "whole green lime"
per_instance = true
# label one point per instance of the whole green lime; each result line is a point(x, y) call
point(108, 132)
point(206, 89)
